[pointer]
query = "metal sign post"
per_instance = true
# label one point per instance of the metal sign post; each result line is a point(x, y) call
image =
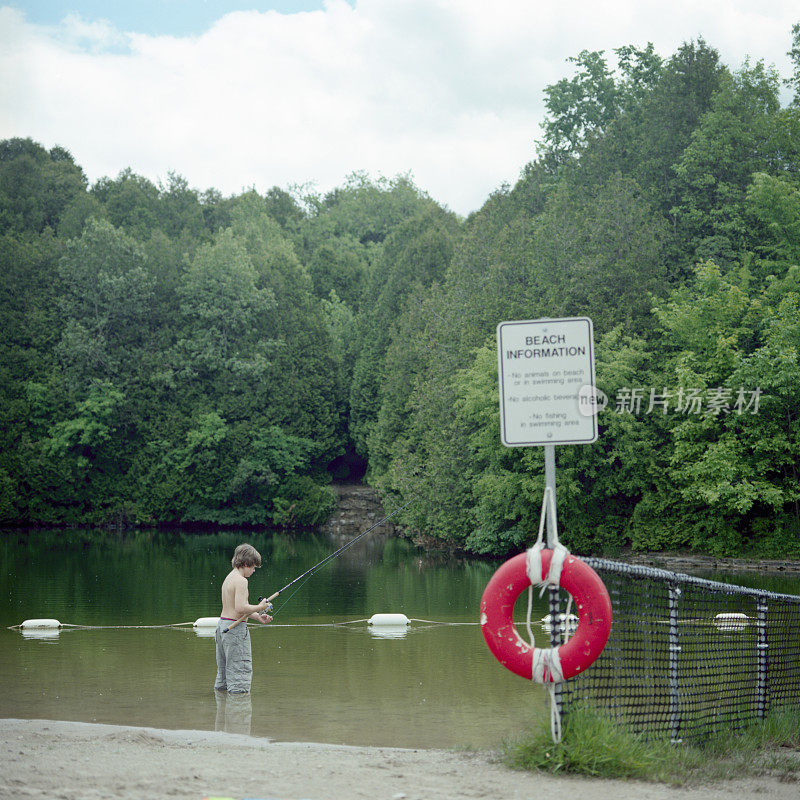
point(550, 483)
point(547, 397)
point(553, 600)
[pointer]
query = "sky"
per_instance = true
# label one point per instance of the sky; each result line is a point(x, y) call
point(238, 95)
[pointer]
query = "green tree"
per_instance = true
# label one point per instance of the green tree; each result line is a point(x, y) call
point(180, 213)
point(29, 327)
point(105, 299)
point(283, 208)
point(416, 254)
point(339, 265)
point(735, 139)
point(368, 209)
point(130, 202)
point(733, 484)
point(85, 451)
point(661, 105)
point(794, 55)
point(302, 379)
point(774, 204)
point(581, 105)
point(37, 187)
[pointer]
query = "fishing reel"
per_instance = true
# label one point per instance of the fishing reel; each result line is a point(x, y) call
point(268, 609)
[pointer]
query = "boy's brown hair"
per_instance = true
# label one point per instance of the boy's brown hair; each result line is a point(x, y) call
point(245, 555)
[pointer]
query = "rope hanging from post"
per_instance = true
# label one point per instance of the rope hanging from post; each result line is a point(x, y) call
point(546, 661)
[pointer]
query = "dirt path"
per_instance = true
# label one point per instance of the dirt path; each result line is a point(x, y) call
point(80, 761)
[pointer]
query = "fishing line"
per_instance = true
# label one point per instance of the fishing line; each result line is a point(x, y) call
point(290, 596)
point(313, 570)
point(310, 572)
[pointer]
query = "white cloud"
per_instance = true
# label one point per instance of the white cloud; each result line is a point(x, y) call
point(450, 90)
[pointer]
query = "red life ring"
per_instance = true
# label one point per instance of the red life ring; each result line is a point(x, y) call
point(589, 595)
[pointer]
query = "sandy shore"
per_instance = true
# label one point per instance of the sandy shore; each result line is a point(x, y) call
point(81, 761)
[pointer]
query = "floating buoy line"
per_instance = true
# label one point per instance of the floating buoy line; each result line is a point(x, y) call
point(210, 623)
point(724, 622)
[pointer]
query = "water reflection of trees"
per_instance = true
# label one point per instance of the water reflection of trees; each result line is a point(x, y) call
point(91, 576)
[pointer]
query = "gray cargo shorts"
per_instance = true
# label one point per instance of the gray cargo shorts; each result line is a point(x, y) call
point(234, 658)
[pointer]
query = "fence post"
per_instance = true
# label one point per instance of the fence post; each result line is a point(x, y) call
point(762, 648)
point(674, 649)
point(555, 641)
point(553, 594)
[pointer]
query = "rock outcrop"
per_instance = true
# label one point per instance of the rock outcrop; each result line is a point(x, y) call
point(358, 509)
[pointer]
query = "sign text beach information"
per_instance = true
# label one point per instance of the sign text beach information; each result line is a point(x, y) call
point(547, 383)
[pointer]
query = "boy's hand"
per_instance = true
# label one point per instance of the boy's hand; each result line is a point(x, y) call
point(263, 606)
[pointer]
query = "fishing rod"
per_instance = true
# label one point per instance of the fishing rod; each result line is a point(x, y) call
point(309, 572)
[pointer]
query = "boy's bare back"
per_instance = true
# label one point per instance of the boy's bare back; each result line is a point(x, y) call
point(234, 595)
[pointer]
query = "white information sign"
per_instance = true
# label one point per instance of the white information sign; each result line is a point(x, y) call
point(547, 383)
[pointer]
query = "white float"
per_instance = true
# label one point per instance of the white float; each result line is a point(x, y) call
point(206, 622)
point(388, 619)
point(30, 624)
point(733, 621)
point(563, 621)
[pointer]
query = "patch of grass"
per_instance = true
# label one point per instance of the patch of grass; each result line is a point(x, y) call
point(593, 744)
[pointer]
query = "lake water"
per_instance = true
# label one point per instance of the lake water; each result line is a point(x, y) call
point(437, 686)
point(316, 678)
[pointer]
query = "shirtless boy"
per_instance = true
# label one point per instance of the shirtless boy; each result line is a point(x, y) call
point(234, 657)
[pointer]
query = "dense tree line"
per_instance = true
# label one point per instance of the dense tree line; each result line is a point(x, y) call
point(665, 205)
point(170, 355)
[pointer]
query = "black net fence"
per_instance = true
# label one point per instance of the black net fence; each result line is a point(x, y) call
point(688, 657)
